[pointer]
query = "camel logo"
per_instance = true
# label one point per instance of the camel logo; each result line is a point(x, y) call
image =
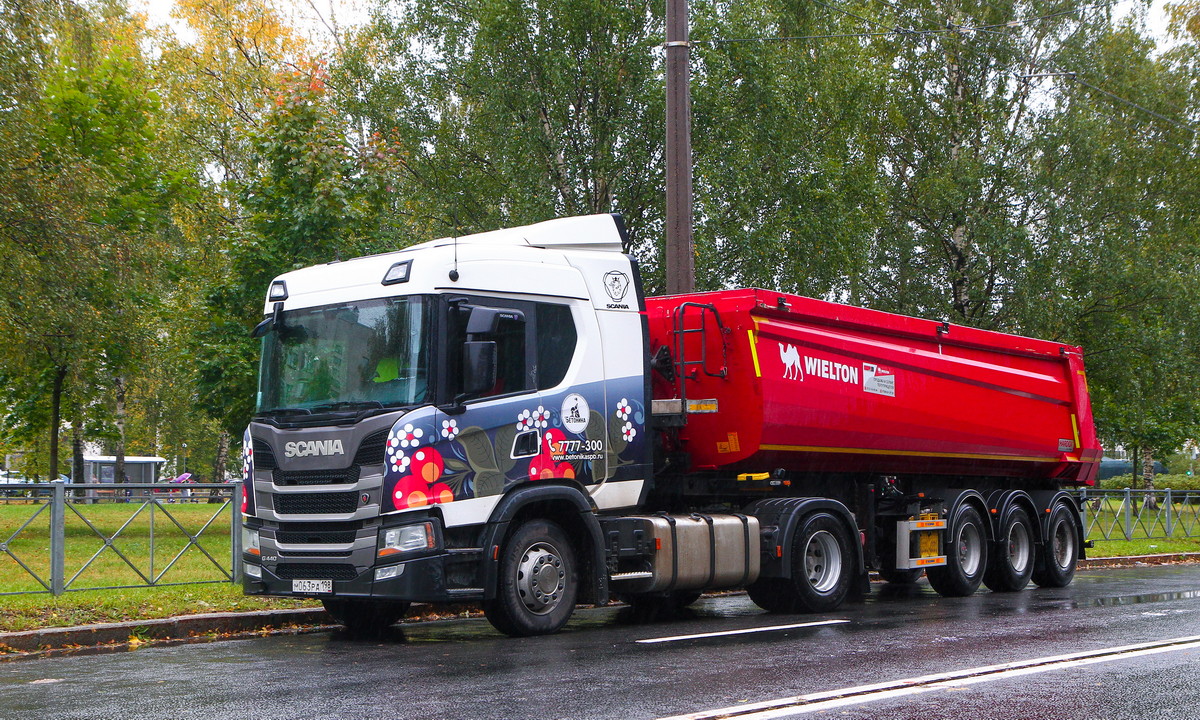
point(791, 362)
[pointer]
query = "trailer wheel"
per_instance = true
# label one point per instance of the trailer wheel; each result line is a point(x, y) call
point(897, 576)
point(1011, 568)
point(966, 556)
point(538, 582)
point(1059, 555)
point(363, 617)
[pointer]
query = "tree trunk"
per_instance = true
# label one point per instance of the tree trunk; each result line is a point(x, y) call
point(60, 377)
point(1148, 480)
point(220, 464)
point(119, 465)
point(77, 475)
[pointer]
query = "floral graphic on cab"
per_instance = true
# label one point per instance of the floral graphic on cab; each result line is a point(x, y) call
point(628, 432)
point(450, 429)
point(623, 409)
point(544, 465)
point(525, 421)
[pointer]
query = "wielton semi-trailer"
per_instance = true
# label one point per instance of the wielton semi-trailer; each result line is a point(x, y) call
point(506, 419)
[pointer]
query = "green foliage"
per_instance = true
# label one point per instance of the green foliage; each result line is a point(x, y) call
point(1005, 165)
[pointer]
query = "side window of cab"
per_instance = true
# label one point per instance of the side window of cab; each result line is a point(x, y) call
point(534, 345)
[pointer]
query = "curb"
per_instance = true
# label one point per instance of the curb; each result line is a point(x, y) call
point(1164, 559)
point(183, 627)
point(174, 628)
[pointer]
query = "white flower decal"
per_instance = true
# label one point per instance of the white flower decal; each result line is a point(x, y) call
point(525, 420)
point(623, 409)
point(541, 417)
point(409, 437)
point(400, 462)
point(449, 429)
point(629, 432)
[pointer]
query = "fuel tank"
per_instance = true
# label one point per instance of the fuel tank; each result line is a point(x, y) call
point(772, 381)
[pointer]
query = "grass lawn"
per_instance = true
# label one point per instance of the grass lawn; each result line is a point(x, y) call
point(91, 563)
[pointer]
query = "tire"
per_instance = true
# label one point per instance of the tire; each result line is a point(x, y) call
point(900, 577)
point(822, 570)
point(966, 555)
point(538, 582)
point(1059, 554)
point(1010, 569)
point(363, 617)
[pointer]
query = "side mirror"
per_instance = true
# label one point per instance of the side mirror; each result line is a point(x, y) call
point(486, 320)
point(273, 320)
point(479, 366)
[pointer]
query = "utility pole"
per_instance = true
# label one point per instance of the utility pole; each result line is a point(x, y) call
point(680, 256)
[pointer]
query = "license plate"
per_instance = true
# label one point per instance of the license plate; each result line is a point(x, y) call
point(312, 587)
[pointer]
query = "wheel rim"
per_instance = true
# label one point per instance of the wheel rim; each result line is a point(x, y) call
point(541, 578)
point(1064, 545)
point(823, 561)
point(970, 549)
point(1018, 547)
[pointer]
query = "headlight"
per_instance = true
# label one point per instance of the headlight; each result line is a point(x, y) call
point(250, 541)
point(407, 539)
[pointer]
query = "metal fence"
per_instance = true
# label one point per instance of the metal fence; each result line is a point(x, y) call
point(109, 536)
point(1140, 514)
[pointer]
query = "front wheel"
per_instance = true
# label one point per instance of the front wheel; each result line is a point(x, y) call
point(538, 582)
point(361, 617)
point(1059, 555)
point(966, 555)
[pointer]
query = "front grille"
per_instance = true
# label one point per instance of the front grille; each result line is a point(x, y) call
point(325, 533)
point(315, 571)
point(371, 450)
point(345, 476)
point(316, 503)
point(315, 553)
point(264, 457)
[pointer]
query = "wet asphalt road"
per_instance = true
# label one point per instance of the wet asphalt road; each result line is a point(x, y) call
point(597, 668)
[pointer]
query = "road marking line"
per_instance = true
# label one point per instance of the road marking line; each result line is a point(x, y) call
point(830, 699)
point(747, 631)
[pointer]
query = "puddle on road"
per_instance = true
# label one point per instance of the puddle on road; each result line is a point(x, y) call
point(1146, 598)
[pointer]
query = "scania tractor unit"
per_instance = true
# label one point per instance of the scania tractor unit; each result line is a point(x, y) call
point(506, 419)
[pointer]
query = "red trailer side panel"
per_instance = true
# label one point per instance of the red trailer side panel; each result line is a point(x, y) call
point(816, 386)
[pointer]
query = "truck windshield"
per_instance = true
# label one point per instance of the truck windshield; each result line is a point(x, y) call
point(347, 357)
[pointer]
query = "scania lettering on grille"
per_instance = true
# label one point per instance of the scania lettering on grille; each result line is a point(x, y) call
point(313, 447)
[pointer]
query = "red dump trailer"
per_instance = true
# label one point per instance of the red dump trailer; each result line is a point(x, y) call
point(506, 419)
point(809, 386)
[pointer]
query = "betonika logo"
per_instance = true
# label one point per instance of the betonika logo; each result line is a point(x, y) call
point(313, 447)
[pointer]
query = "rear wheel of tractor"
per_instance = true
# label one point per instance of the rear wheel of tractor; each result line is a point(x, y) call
point(1059, 555)
point(538, 582)
point(1011, 568)
point(966, 555)
point(360, 616)
point(822, 564)
point(772, 594)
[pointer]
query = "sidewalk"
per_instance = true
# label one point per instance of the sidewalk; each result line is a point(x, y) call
point(214, 625)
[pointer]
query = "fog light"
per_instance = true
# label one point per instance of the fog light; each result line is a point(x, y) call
point(250, 541)
point(253, 571)
point(407, 539)
point(388, 573)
